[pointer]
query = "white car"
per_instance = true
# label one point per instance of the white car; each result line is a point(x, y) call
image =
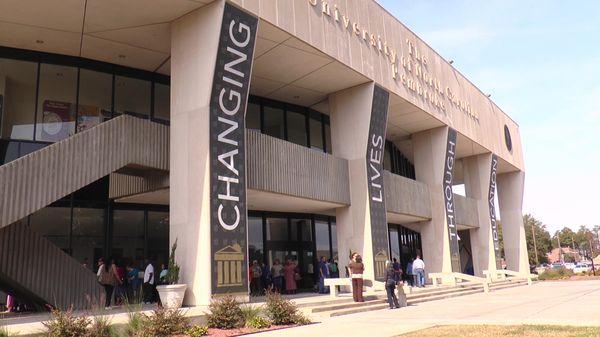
point(570, 265)
point(582, 268)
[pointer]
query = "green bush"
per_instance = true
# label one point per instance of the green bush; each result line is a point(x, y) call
point(197, 331)
point(4, 332)
point(250, 312)
point(65, 324)
point(225, 313)
point(258, 322)
point(101, 327)
point(282, 311)
point(163, 323)
point(556, 274)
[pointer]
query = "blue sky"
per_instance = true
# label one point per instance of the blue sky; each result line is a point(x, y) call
point(540, 61)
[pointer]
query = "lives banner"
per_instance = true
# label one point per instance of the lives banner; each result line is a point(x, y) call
point(228, 102)
point(374, 160)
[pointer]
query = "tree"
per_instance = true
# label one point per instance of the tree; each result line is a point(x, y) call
point(543, 242)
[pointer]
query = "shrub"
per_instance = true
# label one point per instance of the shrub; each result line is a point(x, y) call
point(173, 268)
point(225, 313)
point(101, 327)
point(163, 323)
point(555, 274)
point(65, 324)
point(135, 318)
point(250, 312)
point(197, 331)
point(258, 322)
point(4, 332)
point(282, 311)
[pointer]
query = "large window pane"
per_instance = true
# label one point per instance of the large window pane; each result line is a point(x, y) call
point(17, 91)
point(296, 127)
point(316, 131)
point(328, 138)
point(9, 151)
point(273, 119)
point(128, 235)
point(54, 224)
point(56, 102)
point(95, 98)
point(277, 229)
point(158, 236)
point(387, 159)
point(322, 237)
point(255, 239)
point(334, 244)
point(394, 243)
point(88, 234)
point(132, 96)
point(162, 101)
point(253, 116)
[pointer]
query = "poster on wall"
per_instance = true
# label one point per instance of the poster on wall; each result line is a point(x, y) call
point(449, 200)
point(57, 121)
point(374, 160)
point(229, 97)
point(492, 207)
point(89, 116)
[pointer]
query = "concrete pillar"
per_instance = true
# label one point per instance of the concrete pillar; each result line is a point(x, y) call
point(476, 172)
point(350, 113)
point(510, 200)
point(429, 160)
point(194, 43)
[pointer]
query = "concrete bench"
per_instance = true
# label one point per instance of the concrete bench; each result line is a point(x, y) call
point(332, 283)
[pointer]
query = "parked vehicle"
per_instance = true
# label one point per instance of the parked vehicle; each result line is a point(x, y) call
point(557, 265)
point(570, 265)
point(582, 268)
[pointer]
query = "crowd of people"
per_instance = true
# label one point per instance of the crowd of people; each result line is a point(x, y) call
point(129, 282)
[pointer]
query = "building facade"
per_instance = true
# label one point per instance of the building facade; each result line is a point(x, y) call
point(244, 130)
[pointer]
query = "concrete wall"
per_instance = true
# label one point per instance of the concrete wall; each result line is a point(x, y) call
point(406, 196)
point(466, 210)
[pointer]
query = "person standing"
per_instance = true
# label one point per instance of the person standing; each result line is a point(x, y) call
point(164, 272)
point(419, 271)
point(397, 270)
point(255, 282)
point(390, 285)
point(108, 279)
point(148, 286)
point(323, 274)
point(289, 273)
point(409, 273)
point(266, 278)
point(356, 270)
point(277, 274)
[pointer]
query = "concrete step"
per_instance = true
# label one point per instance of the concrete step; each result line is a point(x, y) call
point(441, 291)
point(346, 305)
point(506, 285)
point(376, 305)
point(333, 301)
point(444, 296)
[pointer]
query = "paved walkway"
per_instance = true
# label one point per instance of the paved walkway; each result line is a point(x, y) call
point(554, 303)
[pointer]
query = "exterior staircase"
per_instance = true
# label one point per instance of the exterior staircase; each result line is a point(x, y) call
point(346, 306)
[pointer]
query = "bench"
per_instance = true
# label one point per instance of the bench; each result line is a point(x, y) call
point(332, 283)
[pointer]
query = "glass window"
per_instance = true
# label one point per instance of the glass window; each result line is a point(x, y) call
point(277, 229)
point(132, 96)
point(162, 101)
point(9, 151)
point(253, 116)
point(95, 98)
point(17, 91)
point(128, 235)
point(316, 131)
point(394, 243)
point(54, 224)
point(158, 236)
point(255, 239)
point(328, 137)
point(322, 237)
point(334, 244)
point(387, 159)
point(56, 103)
point(296, 127)
point(88, 233)
point(273, 119)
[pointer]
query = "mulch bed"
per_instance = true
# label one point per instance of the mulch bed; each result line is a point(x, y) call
point(240, 331)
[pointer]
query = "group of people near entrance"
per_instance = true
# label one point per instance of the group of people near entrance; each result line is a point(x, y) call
point(127, 282)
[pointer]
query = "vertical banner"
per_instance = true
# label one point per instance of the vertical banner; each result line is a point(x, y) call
point(375, 154)
point(492, 207)
point(449, 200)
point(228, 102)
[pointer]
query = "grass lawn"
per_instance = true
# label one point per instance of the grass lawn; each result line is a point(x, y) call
point(506, 331)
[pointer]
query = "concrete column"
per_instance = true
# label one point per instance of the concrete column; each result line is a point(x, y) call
point(194, 43)
point(350, 114)
point(510, 200)
point(476, 172)
point(429, 149)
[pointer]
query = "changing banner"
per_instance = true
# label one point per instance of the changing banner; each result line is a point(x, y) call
point(228, 102)
point(375, 154)
point(492, 207)
point(449, 200)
